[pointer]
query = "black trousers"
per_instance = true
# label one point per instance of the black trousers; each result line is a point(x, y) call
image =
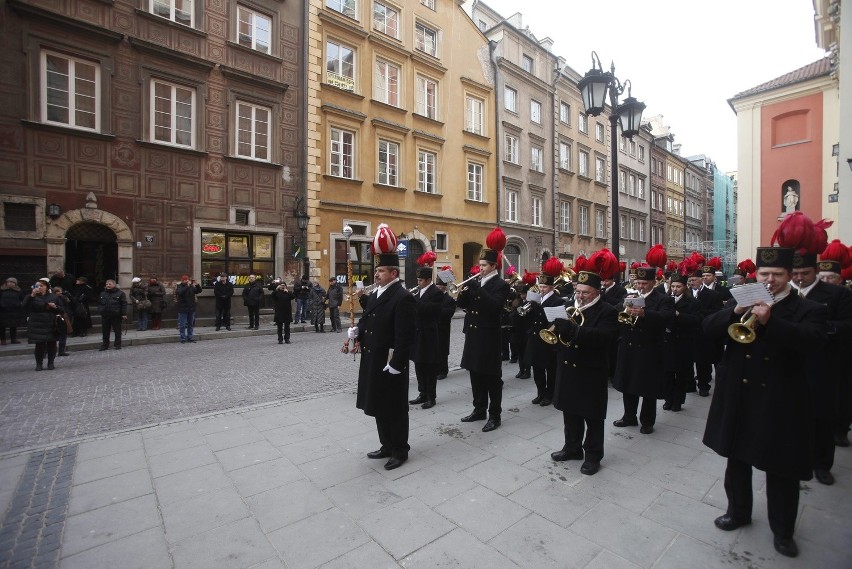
point(782, 497)
point(648, 414)
point(504, 343)
point(427, 378)
point(283, 331)
point(677, 383)
point(519, 349)
point(334, 315)
point(575, 427)
point(254, 316)
point(42, 347)
point(487, 387)
point(393, 433)
point(223, 313)
point(545, 379)
point(111, 324)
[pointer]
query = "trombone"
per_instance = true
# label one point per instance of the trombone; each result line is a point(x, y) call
point(550, 336)
point(456, 288)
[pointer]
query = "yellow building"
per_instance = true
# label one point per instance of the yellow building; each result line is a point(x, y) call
point(401, 131)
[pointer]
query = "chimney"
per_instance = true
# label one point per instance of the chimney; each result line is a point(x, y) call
point(547, 44)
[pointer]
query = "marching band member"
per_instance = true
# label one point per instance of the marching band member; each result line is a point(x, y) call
point(425, 349)
point(541, 355)
point(582, 368)
point(680, 347)
point(445, 320)
point(483, 299)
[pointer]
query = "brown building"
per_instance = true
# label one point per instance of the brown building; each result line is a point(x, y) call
point(138, 138)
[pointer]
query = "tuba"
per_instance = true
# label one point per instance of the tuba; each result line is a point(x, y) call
point(549, 335)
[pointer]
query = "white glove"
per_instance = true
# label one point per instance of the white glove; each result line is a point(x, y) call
point(390, 370)
point(353, 332)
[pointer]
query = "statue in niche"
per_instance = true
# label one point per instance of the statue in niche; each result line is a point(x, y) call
point(791, 200)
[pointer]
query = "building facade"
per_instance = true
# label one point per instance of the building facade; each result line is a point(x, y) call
point(634, 194)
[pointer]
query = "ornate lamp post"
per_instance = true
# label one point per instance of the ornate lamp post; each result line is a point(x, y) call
point(594, 87)
point(302, 219)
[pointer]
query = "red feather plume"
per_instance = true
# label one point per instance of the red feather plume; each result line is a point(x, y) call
point(603, 263)
point(656, 256)
point(837, 251)
point(553, 267)
point(580, 263)
point(635, 265)
point(846, 274)
point(698, 258)
point(747, 266)
point(671, 266)
point(687, 267)
point(715, 262)
point(622, 266)
point(529, 278)
point(496, 240)
point(799, 233)
point(660, 274)
point(427, 259)
point(511, 270)
point(474, 270)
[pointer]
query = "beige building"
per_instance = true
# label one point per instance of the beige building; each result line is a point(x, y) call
point(401, 131)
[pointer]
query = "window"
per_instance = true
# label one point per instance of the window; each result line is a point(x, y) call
point(584, 163)
point(345, 7)
point(640, 188)
point(622, 182)
point(633, 148)
point(512, 206)
point(426, 39)
point(660, 201)
point(641, 153)
point(442, 241)
point(669, 172)
point(254, 30)
point(584, 220)
point(19, 216)
point(386, 86)
point(428, 3)
point(565, 216)
point(622, 143)
point(426, 168)
point(510, 98)
point(236, 253)
point(527, 63)
point(172, 113)
point(340, 66)
point(388, 163)
point(535, 111)
point(474, 181)
point(511, 151)
point(600, 169)
point(179, 11)
point(70, 91)
point(537, 158)
point(653, 199)
point(473, 114)
point(536, 211)
point(633, 228)
point(669, 204)
point(600, 223)
point(342, 162)
point(253, 131)
point(632, 184)
point(565, 113)
point(599, 132)
point(641, 230)
point(564, 155)
point(623, 225)
point(386, 19)
point(427, 97)
point(583, 123)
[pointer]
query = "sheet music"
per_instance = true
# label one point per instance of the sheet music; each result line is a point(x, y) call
point(638, 302)
point(447, 276)
point(750, 294)
point(359, 285)
point(555, 313)
point(534, 297)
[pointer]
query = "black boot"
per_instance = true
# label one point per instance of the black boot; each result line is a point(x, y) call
point(322, 328)
point(38, 365)
point(316, 328)
point(50, 363)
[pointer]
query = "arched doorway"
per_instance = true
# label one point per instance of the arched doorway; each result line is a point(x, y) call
point(91, 250)
point(415, 249)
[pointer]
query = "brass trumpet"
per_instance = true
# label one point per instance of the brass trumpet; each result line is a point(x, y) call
point(366, 290)
point(414, 289)
point(625, 317)
point(456, 288)
point(743, 331)
point(550, 336)
point(524, 309)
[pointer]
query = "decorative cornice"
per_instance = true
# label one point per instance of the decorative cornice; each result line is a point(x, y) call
point(428, 136)
point(232, 73)
point(344, 112)
point(86, 28)
point(536, 137)
point(511, 126)
point(474, 83)
point(383, 41)
point(430, 62)
point(476, 150)
point(331, 17)
point(383, 123)
point(156, 49)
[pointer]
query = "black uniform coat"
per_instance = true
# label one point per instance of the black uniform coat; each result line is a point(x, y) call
point(761, 411)
point(582, 369)
point(539, 353)
point(711, 301)
point(484, 305)
point(641, 349)
point(428, 310)
point(832, 379)
point(445, 320)
point(685, 327)
point(614, 295)
point(386, 324)
point(282, 301)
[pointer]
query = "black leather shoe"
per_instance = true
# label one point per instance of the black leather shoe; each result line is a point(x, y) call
point(590, 467)
point(728, 523)
point(626, 422)
point(786, 546)
point(218, 328)
point(824, 476)
point(667, 406)
point(704, 392)
point(646, 429)
point(537, 400)
point(50, 365)
point(420, 399)
point(563, 454)
point(475, 416)
point(518, 375)
point(280, 341)
point(491, 425)
point(513, 361)
point(676, 407)
point(841, 440)
point(286, 341)
point(545, 401)
point(65, 354)
point(525, 375)
point(428, 404)
point(395, 462)
point(119, 347)
point(39, 366)
point(103, 348)
point(381, 453)
point(442, 376)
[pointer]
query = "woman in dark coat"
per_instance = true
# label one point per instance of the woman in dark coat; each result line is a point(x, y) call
point(11, 310)
point(138, 296)
point(282, 300)
point(317, 302)
point(156, 294)
point(41, 307)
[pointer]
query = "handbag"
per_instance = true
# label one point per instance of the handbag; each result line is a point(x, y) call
point(145, 304)
point(63, 324)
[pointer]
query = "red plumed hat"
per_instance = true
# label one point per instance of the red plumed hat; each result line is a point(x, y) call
point(427, 259)
point(580, 263)
point(474, 270)
point(660, 274)
point(837, 251)
point(496, 240)
point(635, 265)
point(846, 274)
point(553, 267)
point(747, 266)
point(603, 263)
point(384, 247)
point(622, 266)
point(529, 278)
point(656, 256)
point(698, 258)
point(715, 262)
point(671, 267)
point(799, 233)
point(687, 267)
point(511, 270)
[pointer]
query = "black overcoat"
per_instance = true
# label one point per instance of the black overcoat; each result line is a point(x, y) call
point(832, 381)
point(582, 368)
point(640, 365)
point(684, 330)
point(282, 302)
point(386, 325)
point(41, 319)
point(484, 305)
point(761, 412)
point(428, 311)
point(539, 353)
point(445, 321)
point(11, 307)
point(614, 295)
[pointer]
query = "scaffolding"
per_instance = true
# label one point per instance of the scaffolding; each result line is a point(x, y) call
point(726, 249)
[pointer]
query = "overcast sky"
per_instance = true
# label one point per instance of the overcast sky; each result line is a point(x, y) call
point(685, 58)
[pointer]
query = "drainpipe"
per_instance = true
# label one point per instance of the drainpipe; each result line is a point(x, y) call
point(306, 11)
point(492, 50)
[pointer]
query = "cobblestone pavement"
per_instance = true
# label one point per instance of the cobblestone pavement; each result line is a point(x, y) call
point(94, 392)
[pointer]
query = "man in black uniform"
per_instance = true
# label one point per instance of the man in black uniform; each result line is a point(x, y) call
point(583, 372)
point(640, 370)
point(707, 353)
point(483, 299)
point(540, 354)
point(445, 320)
point(612, 292)
point(425, 350)
point(831, 365)
point(383, 337)
point(681, 343)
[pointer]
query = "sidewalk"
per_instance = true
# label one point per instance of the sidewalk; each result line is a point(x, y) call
point(288, 485)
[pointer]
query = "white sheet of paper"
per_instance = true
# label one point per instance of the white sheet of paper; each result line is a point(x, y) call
point(555, 313)
point(447, 276)
point(359, 285)
point(634, 302)
point(750, 294)
point(533, 296)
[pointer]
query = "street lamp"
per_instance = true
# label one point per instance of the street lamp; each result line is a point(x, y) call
point(302, 219)
point(594, 87)
point(347, 232)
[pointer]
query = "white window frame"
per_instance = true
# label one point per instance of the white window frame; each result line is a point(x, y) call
point(536, 211)
point(387, 82)
point(583, 123)
point(584, 220)
point(387, 170)
point(512, 144)
point(442, 241)
point(535, 111)
point(632, 147)
point(600, 169)
point(253, 132)
point(425, 106)
point(421, 37)
point(512, 206)
point(428, 3)
point(599, 132)
point(152, 114)
point(510, 99)
point(622, 181)
point(641, 188)
point(641, 153)
point(256, 29)
point(622, 224)
point(72, 96)
point(173, 11)
point(346, 7)
point(336, 78)
point(584, 164)
point(338, 148)
point(537, 158)
point(475, 181)
point(386, 13)
point(565, 155)
point(474, 113)
point(631, 184)
point(565, 112)
point(527, 63)
point(633, 228)
point(427, 172)
point(565, 217)
point(600, 223)
point(641, 230)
